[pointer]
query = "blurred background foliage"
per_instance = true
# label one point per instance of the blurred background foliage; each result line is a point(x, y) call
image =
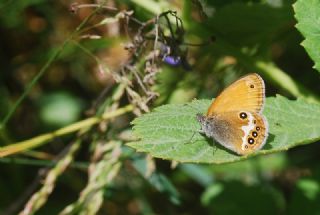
point(93, 172)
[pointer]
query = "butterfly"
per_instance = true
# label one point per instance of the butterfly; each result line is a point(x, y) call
point(234, 119)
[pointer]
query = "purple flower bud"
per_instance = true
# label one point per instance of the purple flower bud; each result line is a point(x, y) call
point(172, 60)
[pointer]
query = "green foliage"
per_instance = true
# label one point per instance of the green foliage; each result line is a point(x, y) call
point(306, 197)
point(307, 13)
point(245, 199)
point(166, 132)
point(247, 25)
point(158, 180)
point(60, 109)
point(14, 12)
point(54, 63)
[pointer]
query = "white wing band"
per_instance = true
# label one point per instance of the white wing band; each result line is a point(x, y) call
point(246, 129)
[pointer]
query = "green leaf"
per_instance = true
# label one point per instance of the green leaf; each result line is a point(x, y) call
point(245, 24)
point(158, 180)
point(307, 13)
point(225, 198)
point(167, 131)
point(305, 197)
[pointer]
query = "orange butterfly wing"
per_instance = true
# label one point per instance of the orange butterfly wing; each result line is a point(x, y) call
point(247, 93)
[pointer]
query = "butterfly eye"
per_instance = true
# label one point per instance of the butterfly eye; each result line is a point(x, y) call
point(254, 134)
point(250, 140)
point(258, 128)
point(243, 115)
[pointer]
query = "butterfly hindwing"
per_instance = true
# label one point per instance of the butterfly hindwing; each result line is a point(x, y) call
point(240, 131)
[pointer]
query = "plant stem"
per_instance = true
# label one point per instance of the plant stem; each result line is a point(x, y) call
point(44, 138)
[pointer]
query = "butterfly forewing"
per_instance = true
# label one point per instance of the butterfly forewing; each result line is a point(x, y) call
point(245, 94)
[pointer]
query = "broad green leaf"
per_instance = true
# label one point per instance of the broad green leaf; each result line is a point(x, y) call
point(307, 13)
point(305, 196)
point(245, 24)
point(167, 131)
point(230, 194)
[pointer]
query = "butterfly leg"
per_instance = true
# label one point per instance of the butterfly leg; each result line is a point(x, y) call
point(190, 139)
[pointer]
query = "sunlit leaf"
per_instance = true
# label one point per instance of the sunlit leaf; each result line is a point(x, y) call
point(307, 13)
point(166, 132)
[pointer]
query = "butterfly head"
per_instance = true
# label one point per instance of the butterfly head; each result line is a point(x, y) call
point(207, 125)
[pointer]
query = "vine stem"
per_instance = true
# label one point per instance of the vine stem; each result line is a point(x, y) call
point(44, 138)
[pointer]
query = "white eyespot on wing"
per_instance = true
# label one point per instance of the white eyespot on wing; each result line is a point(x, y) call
point(246, 129)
